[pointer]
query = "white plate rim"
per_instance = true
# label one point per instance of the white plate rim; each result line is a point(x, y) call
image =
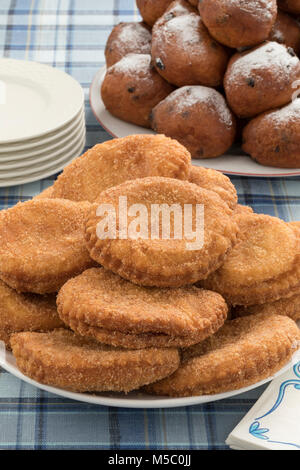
point(44, 156)
point(56, 158)
point(48, 138)
point(7, 362)
point(76, 94)
point(39, 176)
point(219, 163)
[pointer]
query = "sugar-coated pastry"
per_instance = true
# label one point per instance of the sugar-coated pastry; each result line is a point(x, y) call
point(126, 38)
point(176, 51)
point(157, 257)
point(238, 23)
point(118, 160)
point(260, 79)
point(263, 266)
point(151, 10)
point(273, 138)
point(26, 312)
point(62, 359)
point(199, 118)
point(243, 352)
point(132, 87)
point(42, 244)
point(286, 30)
point(102, 305)
point(214, 181)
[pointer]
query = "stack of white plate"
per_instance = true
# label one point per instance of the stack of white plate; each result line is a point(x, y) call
point(42, 121)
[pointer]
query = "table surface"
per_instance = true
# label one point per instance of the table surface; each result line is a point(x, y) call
point(71, 35)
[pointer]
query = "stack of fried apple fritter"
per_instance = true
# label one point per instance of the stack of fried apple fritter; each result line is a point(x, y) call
point(170, 314)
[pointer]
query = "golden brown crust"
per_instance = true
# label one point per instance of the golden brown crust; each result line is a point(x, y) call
point(264, 264)
point(62, 359)
point(289, 307)
point(243, 352)
point(26, 312)
point(42, 244)
point(273, 138)
point(127, 38)
point(100, 304)
point(175, 48)
point(261, 79)
point(132, 88)
point(239, 23)
point(214, 181)
point(164, 262)
point(118, 160)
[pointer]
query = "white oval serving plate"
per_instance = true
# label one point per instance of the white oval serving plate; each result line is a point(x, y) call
point(131, 400)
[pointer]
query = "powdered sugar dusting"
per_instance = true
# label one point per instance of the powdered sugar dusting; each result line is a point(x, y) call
point(185, 28)
point(188, 96)
point(262, 10)
point(132, 64)
point(288, 114)
point(270, 55)
point(179, 8)
point(133, 36)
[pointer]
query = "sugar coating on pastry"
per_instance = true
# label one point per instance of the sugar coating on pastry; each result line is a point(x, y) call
point(42, 244)
point(263, 266)
point(286, 30)
point(183, 51)
point(199, 118)
point(62, 359)
point(118, 160)
point(273, 138)
point(238, 23)
point(261, 78)
point(243, 352)
point(214, 181)
point(289, 307)
point(26, 312)
point(158, 258)
point(100, 304)
point(126, 38)
point(132, 87)
point(151, 10)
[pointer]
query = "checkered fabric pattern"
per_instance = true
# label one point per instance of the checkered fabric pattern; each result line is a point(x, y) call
point(71, 35)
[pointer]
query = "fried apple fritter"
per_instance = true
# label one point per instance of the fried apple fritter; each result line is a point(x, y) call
point(263, 266)
point(100, 304)
point(62, 359)
point(214, 181)
point(289, 307)
point(26, 312)
point(163, 260)
point(118, 160)
point(42, 244)
point(243, 352)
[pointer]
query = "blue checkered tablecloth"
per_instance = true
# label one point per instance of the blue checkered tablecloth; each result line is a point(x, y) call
point(70, 35)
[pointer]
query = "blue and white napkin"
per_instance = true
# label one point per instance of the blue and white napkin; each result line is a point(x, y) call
point(273, 423)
